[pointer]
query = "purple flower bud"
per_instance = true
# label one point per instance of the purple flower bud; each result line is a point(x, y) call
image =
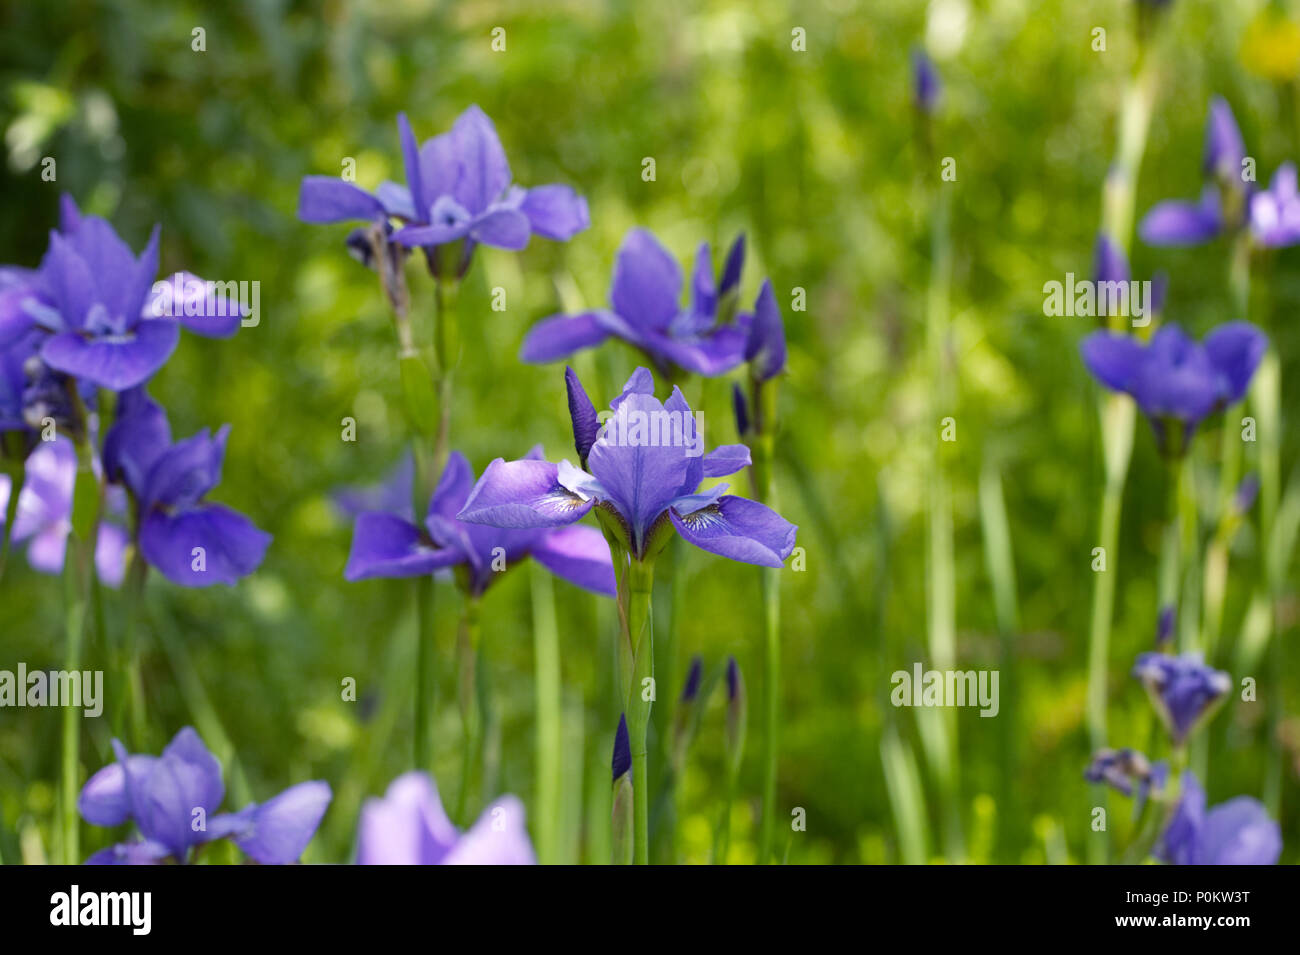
point(1247, 491)
point(765, 348)
point(734, 683)
point(1108, 262)
point(1183, 689)
point(692, 687)
point(925, 82)
point(1165, 625)
point(583, 414)
point(622, 763)
point(1224, 147)
point(741, 407)
point(1121, 769)
point(730, 280)
point(736, 713)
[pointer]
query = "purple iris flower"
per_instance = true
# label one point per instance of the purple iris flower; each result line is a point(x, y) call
point(97, 305)
point(409, 827)
point(1109, 264)
point(44, 517)
point(1237, 832)
point(1183, 689)
point(172, 799)
point(1275, 211)
point(644, 472)
point(388, 544)
point(1183, 222)
point(458, 187)
point(644, 311)
point(1175, 380)
point(1165, 625)
point(925, 82)
point(193, 542)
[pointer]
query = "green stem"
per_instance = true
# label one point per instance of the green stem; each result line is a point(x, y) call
point(425, 672)
point(763, 400)
point(17, 478)
point(75, 576)
point(471, 716)
point(546, 654)
point(638, 694)
point(129, 713)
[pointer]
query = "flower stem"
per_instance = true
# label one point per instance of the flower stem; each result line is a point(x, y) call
point(425, 673)
point(639, 693)
point(546, 655)
point(17, 477)
point(471, 717)
point(131, 724)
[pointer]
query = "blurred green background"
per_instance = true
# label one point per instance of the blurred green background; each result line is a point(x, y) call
point(814, 156)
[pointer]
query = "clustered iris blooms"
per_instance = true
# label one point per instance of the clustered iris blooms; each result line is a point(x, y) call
point(171, 800)
point(645, 311)
point(647, 489)
point(1176, 381)
point(388, 544)
point(408, 826)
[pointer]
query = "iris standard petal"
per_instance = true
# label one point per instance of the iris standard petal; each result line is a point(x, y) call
point(116, 362)
point(104, 800)
point(640, 472)
point(579, 555)
point(187, 470)
point(559, 336)
point(647, 282)
point(740, 529)
point(138, 437)
point(385, 545)
point(325, 199)
point(453, 488)
point(555, 212)
point(411, 162)
point(522, 494)
point(1235, 349)
point(279, 829)
point(484, 171)
point(204, 545)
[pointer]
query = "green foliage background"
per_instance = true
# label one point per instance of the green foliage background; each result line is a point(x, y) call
point(814, 155)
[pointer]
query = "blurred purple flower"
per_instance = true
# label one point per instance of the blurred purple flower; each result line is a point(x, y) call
point(44, 517)
point(1275, 211)
point(1183, 689)
point(1175, 380)
point(171, 799)
point(387, 544)
point(1237, 832)
point(408, 826)
point(645, 312)
point(94, 300)
point(458, 187)
point(193, 542)
point(926, 86)
point(1183, 222)
point(392, 494)
point(643, 475)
